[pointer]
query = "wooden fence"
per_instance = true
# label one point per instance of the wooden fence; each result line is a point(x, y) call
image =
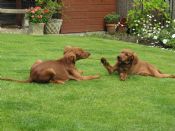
point(123, 6)
point(171, 7)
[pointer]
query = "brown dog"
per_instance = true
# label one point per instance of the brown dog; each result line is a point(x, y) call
point(129, 63)
point(58, 71)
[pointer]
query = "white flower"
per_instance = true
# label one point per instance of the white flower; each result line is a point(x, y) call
point(165, 41)
point(174, 20)
point(173, 36)
point(155, 37)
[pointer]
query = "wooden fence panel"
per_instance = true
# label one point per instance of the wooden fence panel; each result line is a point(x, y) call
point(172, 8)
point(123, 6)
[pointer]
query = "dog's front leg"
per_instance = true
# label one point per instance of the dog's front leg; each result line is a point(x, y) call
point(108, 67)
point(77, 76)
point(57, 81)
point(123, 76)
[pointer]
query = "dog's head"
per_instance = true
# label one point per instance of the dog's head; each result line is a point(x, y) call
point(76, 52)
point(127, 56)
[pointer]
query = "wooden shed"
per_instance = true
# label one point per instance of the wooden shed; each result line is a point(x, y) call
point(85, 15)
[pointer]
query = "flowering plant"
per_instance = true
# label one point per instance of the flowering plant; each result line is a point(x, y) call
point(54, 6)
point(38, 15)
point(167, 35)
point(147, 15)
point(151, 23)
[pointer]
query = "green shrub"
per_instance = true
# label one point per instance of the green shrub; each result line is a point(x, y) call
point(112, 18)
point(171, 43)
point(150, 19)
point(167, 35)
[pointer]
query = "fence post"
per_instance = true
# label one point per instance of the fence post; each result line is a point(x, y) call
point(173, 9)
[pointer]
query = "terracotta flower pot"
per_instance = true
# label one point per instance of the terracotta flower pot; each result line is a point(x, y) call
point(111, 28)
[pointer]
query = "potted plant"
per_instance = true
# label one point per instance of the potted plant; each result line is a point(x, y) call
point(122, 26)
point(37, 18)
point(54, 23)
point(111, 21)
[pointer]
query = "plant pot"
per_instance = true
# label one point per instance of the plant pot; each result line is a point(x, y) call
point(53, 26)
point(111, 28)
point(36, 28)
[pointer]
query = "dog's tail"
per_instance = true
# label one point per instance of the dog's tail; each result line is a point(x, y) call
point(19, 81)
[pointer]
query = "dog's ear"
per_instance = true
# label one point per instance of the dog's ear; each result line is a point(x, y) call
point(67, 49)
point(135, 58)
point(70, 58)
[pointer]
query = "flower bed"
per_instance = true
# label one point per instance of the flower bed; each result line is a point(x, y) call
point(152, 23)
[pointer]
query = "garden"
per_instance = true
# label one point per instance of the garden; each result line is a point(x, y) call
point(148, 22)
point(139, 103)
point(104, 104)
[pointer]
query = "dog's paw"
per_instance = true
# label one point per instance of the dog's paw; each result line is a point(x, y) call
point(96, 76)
point(122, 79)
point(80, 71)
point(104, 61)
point(123, 76)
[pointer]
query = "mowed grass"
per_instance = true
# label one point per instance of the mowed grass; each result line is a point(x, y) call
point(105, 104)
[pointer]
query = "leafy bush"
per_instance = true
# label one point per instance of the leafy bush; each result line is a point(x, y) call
point(112, 18)
point(167, 36)
point(150, 20)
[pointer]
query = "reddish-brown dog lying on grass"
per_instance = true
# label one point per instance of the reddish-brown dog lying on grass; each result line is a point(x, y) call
point(58, 71)
point(128, 63)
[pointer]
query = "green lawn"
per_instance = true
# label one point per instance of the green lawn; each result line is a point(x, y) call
point(105, 104)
